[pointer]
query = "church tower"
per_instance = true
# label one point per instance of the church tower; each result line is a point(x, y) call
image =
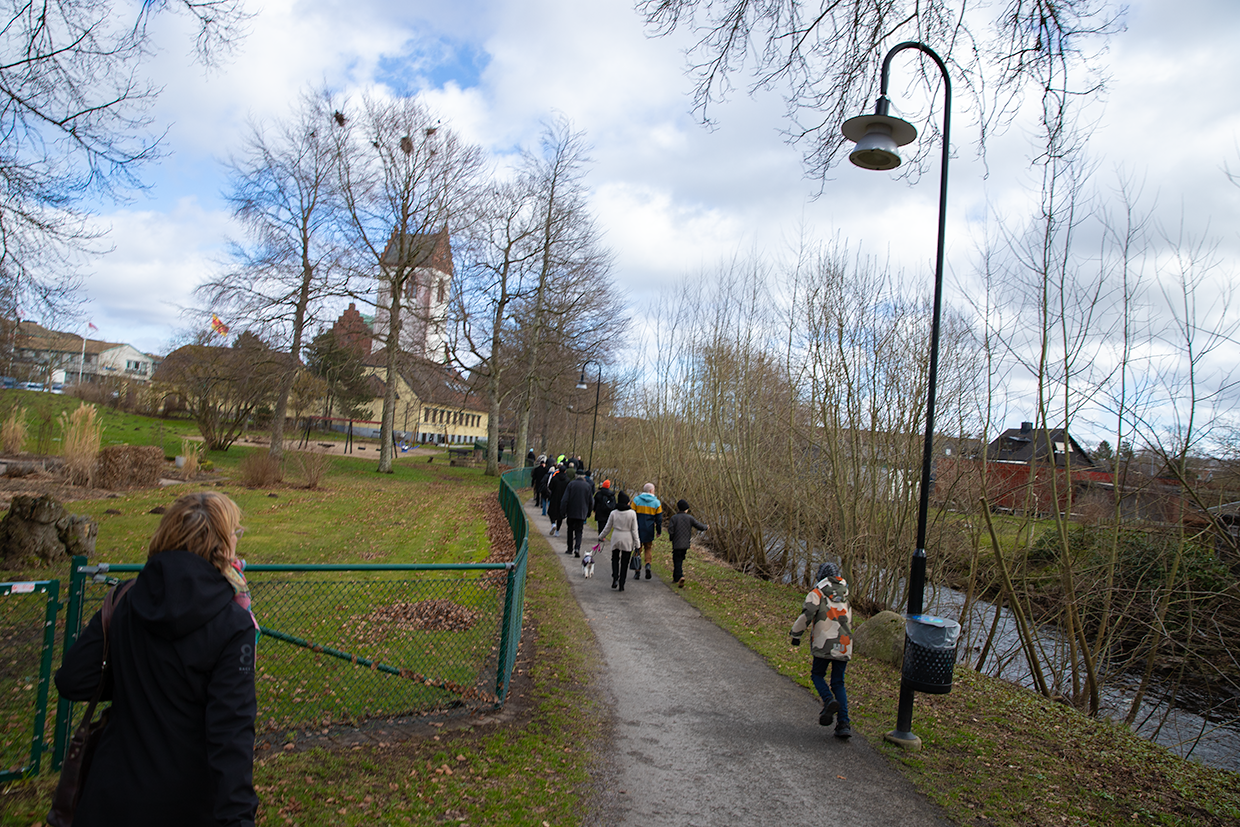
point(424, 305)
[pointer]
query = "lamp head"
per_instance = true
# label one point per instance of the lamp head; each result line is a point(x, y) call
point(878, 138)
point(581, 383)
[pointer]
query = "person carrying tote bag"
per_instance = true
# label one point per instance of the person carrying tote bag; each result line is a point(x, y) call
point(85, 739)
point(179, 745)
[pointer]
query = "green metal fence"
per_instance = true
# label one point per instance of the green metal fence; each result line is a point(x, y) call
point(27, 642)
point(339, 643)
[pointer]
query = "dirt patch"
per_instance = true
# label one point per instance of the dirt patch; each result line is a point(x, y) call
point(423, 616)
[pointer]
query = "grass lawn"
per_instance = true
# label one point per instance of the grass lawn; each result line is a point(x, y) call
point(422, 513)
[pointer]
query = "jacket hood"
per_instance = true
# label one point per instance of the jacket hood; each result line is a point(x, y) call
point(177, 592)
point(646, 499)
point(834, 589)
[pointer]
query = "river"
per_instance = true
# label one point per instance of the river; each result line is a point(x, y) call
point(1212, 740)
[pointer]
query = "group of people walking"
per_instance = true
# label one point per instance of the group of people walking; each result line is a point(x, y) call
point(629, 524)
point(566, 494)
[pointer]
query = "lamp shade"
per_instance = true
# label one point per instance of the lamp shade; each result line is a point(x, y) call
point(878, 138)
point(581, 386)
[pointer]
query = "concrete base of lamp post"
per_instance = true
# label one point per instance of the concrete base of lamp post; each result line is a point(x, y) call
point(904, 740)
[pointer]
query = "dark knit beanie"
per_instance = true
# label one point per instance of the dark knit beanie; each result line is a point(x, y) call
point(826, 570)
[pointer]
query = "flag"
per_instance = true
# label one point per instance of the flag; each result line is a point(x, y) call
point(218, 326)
point(91, 325)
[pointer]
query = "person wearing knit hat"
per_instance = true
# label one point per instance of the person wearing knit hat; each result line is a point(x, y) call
point(680, 532)
point(828, 617)
point(604, 503)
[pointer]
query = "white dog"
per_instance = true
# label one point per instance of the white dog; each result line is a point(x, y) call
point(587, 563)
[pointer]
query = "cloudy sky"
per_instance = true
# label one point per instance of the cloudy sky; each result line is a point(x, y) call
point(673, 197)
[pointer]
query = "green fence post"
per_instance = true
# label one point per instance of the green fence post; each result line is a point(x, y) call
point(73, 623)
point(45, 674)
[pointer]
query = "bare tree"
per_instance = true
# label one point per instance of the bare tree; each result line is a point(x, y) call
point(405, 179)
point(826, 56)
point(498, 268)
point(572, 265)
point(285, 194)
point(222, 386)
point(74, 120)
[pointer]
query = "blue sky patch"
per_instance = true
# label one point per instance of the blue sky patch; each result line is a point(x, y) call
point(432, 63)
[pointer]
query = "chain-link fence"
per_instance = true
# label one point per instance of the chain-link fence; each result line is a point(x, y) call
point(339, 644)
point(27, 642)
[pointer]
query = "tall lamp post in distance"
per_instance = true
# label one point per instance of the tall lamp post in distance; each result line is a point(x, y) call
point(598, 384)
point(878, 138)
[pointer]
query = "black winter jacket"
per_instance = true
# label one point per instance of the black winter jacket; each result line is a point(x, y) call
point(555, 493)
point(179, 747)
point(604, 504)
point(680, 529)
point(578, 500)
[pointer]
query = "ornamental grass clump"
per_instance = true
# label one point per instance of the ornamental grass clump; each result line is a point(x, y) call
point(189, 454)
point(13, 432)
point(82, 434)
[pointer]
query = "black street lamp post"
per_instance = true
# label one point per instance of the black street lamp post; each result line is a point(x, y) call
point(878, 137)
point(598, 384)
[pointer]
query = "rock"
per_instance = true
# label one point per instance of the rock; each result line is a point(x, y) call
point(37, 531)
point(112, 511)
point(159, 509)
point(881, 638)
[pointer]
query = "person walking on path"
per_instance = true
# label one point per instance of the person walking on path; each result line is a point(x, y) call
point(576, 506)
point(555, 492)
point(680, 532)
point(604, 504)
point(621, 527)
point(537, 476)
point(828, 617)
point(649, 521)
point(179, 746)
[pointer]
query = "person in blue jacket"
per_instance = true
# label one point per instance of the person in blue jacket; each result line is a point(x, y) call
point(649, 521)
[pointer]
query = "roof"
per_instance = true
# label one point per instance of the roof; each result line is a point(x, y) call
point(33, 336)
point(1028, 444)
point(433, 250)
point(434, 384)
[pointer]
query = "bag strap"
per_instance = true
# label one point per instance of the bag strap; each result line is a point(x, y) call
point(109, 605)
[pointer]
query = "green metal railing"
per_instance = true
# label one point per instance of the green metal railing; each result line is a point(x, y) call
point(514, 603)
point(27, 643)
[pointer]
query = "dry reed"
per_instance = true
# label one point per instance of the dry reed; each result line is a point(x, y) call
point(82, 435)
point(189, 451)
point(13, 433)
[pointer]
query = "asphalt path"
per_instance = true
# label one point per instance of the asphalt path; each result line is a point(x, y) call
point(705, 732)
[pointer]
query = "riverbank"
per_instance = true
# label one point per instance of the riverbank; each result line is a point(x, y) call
point(993, 753)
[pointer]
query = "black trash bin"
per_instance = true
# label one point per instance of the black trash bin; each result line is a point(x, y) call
point(930, 653)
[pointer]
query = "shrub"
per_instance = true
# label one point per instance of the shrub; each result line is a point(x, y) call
point(129, 466)
point(82, 435)
point(260, 470)
point(13, 433)
point(189, 450)
point(311, 465)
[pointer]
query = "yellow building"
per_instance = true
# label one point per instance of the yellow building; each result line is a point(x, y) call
point(433, 402)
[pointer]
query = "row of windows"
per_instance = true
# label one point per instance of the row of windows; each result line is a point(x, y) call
point(438, 439)
point(443, 417)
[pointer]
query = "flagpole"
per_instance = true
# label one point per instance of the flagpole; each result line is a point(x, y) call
point(82, 363)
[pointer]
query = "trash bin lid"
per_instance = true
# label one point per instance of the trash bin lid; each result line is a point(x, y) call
point(932, 632)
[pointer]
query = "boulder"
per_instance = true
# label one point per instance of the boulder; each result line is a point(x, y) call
point(38, 532)
point(881, 638)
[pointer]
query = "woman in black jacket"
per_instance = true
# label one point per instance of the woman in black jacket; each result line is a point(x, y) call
point(179, 746)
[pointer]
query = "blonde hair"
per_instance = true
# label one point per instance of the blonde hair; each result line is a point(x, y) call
point(203, 524)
